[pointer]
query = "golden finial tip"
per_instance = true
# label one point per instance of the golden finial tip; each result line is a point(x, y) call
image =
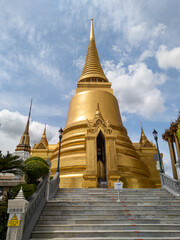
point(92, 30)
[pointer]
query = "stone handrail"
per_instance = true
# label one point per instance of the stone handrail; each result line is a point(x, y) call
point(34, 208)
point(170, 184)
point(46, 190)
point(53, 185)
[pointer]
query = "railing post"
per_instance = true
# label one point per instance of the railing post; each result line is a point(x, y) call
point(177, 165)
point(162, 179)
point(16, 210)
point(48, 185)
point(170, 184)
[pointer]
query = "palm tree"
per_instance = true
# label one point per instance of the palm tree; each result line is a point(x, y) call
point(11, 164)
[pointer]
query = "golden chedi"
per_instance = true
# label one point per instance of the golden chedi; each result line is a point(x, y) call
point(95, 147)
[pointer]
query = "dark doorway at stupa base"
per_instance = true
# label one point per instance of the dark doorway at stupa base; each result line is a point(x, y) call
point(102, 183)
point(101, 161)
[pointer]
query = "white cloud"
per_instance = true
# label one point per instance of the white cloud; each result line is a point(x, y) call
point(79, 62)
point(124, 118)
point(25, 49)
point(13, 125)
point(159, 30)
point(48, 72)
point(136, 88)
point(70, 94)
point(168, 58)
point(146, 54)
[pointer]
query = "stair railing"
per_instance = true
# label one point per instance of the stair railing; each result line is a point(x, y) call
point(170, 184)
point(45, 191)
point(34, 208)
point(53, 185)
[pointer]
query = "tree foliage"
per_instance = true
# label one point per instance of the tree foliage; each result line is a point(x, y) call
point(39, 159)
point(3, 220)
point(35, 168)
point(28, 190)
point(11, 164)
point(178, 132)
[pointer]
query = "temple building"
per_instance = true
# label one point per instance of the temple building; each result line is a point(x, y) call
point(43, 148)
point(95, 146)
point(170, 135)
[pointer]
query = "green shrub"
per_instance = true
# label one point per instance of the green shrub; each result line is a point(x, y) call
point(178, 132)
point(51, 177)
point(34, 170)
point(28, 190)
point(36, 159)
point(3, 220)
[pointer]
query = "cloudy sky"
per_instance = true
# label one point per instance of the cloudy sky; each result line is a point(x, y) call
point(43, 45)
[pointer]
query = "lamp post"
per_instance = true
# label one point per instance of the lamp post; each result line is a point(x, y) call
point(60, 136)
point(155, 134)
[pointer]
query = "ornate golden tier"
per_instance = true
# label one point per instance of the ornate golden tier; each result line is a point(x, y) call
point(95, 146)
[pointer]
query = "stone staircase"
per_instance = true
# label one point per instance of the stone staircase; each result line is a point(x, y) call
point(96, 214)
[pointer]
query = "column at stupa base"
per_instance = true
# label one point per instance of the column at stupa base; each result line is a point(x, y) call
point(90, 180)
point(112, 178)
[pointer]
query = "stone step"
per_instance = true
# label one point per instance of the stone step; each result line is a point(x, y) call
point(107, 217)
point(81, 196)
point(133, 220)
point(112, 203)
point(112, 238)
point(109, 207)
point(112, 192)
point(110, 189)
point(112, 233)
point(159, 212)
point(84, 227)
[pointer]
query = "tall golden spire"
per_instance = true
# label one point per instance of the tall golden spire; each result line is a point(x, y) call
point(92, 70)
point(24, 144)
point(28, 121)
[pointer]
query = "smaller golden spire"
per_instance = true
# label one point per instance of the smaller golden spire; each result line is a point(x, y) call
point(43, 143)
point(143, 140)
point(98, 109)
point(98, 113)
point(44, 138)
point(44, 130)
point(142, 131)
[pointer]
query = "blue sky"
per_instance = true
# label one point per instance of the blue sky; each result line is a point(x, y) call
point(43, 46)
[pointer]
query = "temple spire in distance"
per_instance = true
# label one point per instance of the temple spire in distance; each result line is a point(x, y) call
point(92, 71)
point(24, 144)
point(43, 143)
point(143, 140)
point(27, 125)
point(44, 138)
